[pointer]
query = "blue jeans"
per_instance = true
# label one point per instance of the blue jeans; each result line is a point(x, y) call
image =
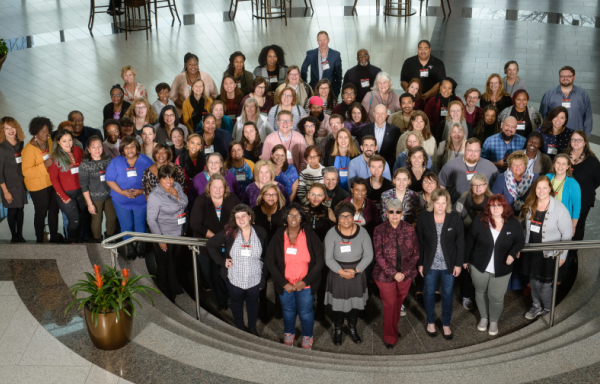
point(131, 219)
point(300, 304)
point(431, 280)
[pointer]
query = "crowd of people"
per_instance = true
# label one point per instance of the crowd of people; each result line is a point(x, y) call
point(335, 202)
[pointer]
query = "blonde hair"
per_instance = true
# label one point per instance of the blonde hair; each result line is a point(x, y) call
point(435, 195)
point(250, 100)
point(265, 189)
point(480, 177)
point(515, 156)
point(261, 163)
point(198, 80)
point(352, 150)
point(128, 68)
point(462, 109)
point(151, 116)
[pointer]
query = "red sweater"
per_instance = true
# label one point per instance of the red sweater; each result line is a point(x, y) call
point(474, 117)
point(432, 110)
point(66, 181)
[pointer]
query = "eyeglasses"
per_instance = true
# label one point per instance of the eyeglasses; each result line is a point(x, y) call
point(140, 107)
point(495, 206)
point(313, 157)
point(309, 126)
point(479, 185)
point(294, 217)
point(429, 182)
point(348, 94)
point(270, 195)
point(346, 217)
point(566, 77)
point(287, 96)
point(577, 140)
point(169, 115)
point(316, 195)
point(284, 122)
point(117, 96)
point(391, 212)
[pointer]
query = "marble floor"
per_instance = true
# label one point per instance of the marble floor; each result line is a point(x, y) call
point(55, 66)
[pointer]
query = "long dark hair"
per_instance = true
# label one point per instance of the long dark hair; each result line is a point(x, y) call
point(531, 201)
point(239, 95)
point(257, 141)
point(230, 69)
point(363, 111)
point(161, 118)
point(86, 153)
point(331, 98)
point(262, 57)
point(586, 150)
point(481, 125)
point(185, 160)
point(547, 125)
point(231, 228)
point(229, 160)
point(60, 157)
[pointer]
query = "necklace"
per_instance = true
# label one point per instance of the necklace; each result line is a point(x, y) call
point(579, 159)
point(520, 118)
point(42, 146)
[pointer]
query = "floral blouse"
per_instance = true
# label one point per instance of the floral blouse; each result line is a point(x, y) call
point(411, 205)
point(140, 91)
point(288, 178)
point(149, 180)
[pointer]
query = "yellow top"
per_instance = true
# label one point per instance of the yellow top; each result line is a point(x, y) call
point(35, 173)
point(188, 110)
point(558, 186)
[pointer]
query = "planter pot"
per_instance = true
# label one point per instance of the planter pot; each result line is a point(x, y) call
point(2, 60)
point(109, 334)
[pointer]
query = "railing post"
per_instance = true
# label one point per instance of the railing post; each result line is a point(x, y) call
point(114, 255)
point(195, 256)
point(554, 288)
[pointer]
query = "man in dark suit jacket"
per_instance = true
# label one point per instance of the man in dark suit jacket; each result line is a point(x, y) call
point(387, 135)
point(324, 63)
point(81, 132)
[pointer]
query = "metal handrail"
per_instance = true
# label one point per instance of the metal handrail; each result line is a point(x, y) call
point(194, 243)
point(191, 242)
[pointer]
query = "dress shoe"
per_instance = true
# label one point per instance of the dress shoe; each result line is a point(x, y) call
point(388, 346)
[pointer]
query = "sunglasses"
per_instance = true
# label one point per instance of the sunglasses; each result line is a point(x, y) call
point(396, 212)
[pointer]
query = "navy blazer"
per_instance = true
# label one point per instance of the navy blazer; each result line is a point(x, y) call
point(333, 74)
point(390, 140)
point(220, 142)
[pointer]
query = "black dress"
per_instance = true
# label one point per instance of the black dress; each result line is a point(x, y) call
point(319, 220)
point(504, 102)
point(270, 224)
point(11, 174)
point(534, 264)
point(375, 194)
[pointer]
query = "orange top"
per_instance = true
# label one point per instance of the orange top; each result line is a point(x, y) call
point(297, 258)
point(35, 173)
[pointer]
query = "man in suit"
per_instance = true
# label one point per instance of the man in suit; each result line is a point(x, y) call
point(324, 63)
point(387, 135)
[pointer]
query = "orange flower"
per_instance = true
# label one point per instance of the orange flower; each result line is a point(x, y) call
point(98, 281)
point(125, 273)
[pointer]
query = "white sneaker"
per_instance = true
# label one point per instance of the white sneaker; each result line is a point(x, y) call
point(493, 331)
point(533, 313)
point(403, 311)
point(468, 304)
point(482, 326)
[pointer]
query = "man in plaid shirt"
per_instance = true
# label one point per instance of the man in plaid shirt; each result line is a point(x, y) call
point(497, 147)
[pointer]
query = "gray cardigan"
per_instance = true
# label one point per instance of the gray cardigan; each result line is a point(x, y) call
point(90, 179)
point(557, 227)
point(11, 174)
point(361, 249)
point(163, 211)
point(519, 84)
point(534, 116)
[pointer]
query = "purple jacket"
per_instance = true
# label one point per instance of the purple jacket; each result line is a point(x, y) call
point(370, 213)
point(252, 193)
point(385, 247)
point(199, 184)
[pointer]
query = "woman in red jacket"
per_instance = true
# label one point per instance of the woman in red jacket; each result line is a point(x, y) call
point(64, 175)
point(437, 108)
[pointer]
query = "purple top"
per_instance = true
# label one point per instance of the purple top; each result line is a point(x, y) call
point(199, 185)
point(252, 192)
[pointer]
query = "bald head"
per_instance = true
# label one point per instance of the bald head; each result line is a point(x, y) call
point(509, 127)
point(362, 56)
point(380, 114)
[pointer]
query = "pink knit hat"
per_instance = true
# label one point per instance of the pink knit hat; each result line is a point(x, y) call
point(315, 100)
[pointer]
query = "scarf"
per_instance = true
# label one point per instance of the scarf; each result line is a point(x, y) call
point(301, 95)
point(199, 110)
point(190, 169)
point(517, 191)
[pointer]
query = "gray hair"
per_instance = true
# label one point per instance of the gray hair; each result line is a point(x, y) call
point(394, 204)
point(386, 77)
point(329, 170)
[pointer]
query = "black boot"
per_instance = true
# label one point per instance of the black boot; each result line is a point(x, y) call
point(352, 318)
point(337, 330)
point(140, 249)
point(131, 251)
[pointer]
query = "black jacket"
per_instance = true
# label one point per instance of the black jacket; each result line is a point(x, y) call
point(452, 241)
point(390, 140)
point(480, 245)
point(107, 112)
point(203, 216)
point(215, 246)
point(85, 135)
point(276, 260)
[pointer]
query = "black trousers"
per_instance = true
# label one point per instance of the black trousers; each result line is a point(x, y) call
point(117, 4)
point(15, 218)
point(238, 297)
point(45, 204)
point(166, 270)
point(568, 272)
point(211, 272)
point(73, 210)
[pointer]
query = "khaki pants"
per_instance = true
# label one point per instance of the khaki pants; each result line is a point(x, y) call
point(108, 208)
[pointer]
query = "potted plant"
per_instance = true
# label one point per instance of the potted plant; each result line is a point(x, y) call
point(3, 52)
point(109, 308)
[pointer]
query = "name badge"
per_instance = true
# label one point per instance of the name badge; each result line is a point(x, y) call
point(345, 248)
point(566, 103)
point(389, 112)
point(552, 149)
point(102, 175)
point(240, 176)
point(18, 158)
point(45, 155)
point(443, 112)
point(291, 251)
point(181, 219)
point(325, 65)
point(246, 250)
point(520, 125)
point(289, 154)
point(424, 72)
point(209, 149)
point(218, 210)
point(169, 143)
point(239, 85)
point(365, 83)
point(131, 172)
point(470, 175)
point(75, 169)
point(273, 79)
point(535, 226)
point(189, 89)
point(232, 117)
point(343, 172)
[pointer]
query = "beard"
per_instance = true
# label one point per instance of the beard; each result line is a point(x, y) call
point(505, 137)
